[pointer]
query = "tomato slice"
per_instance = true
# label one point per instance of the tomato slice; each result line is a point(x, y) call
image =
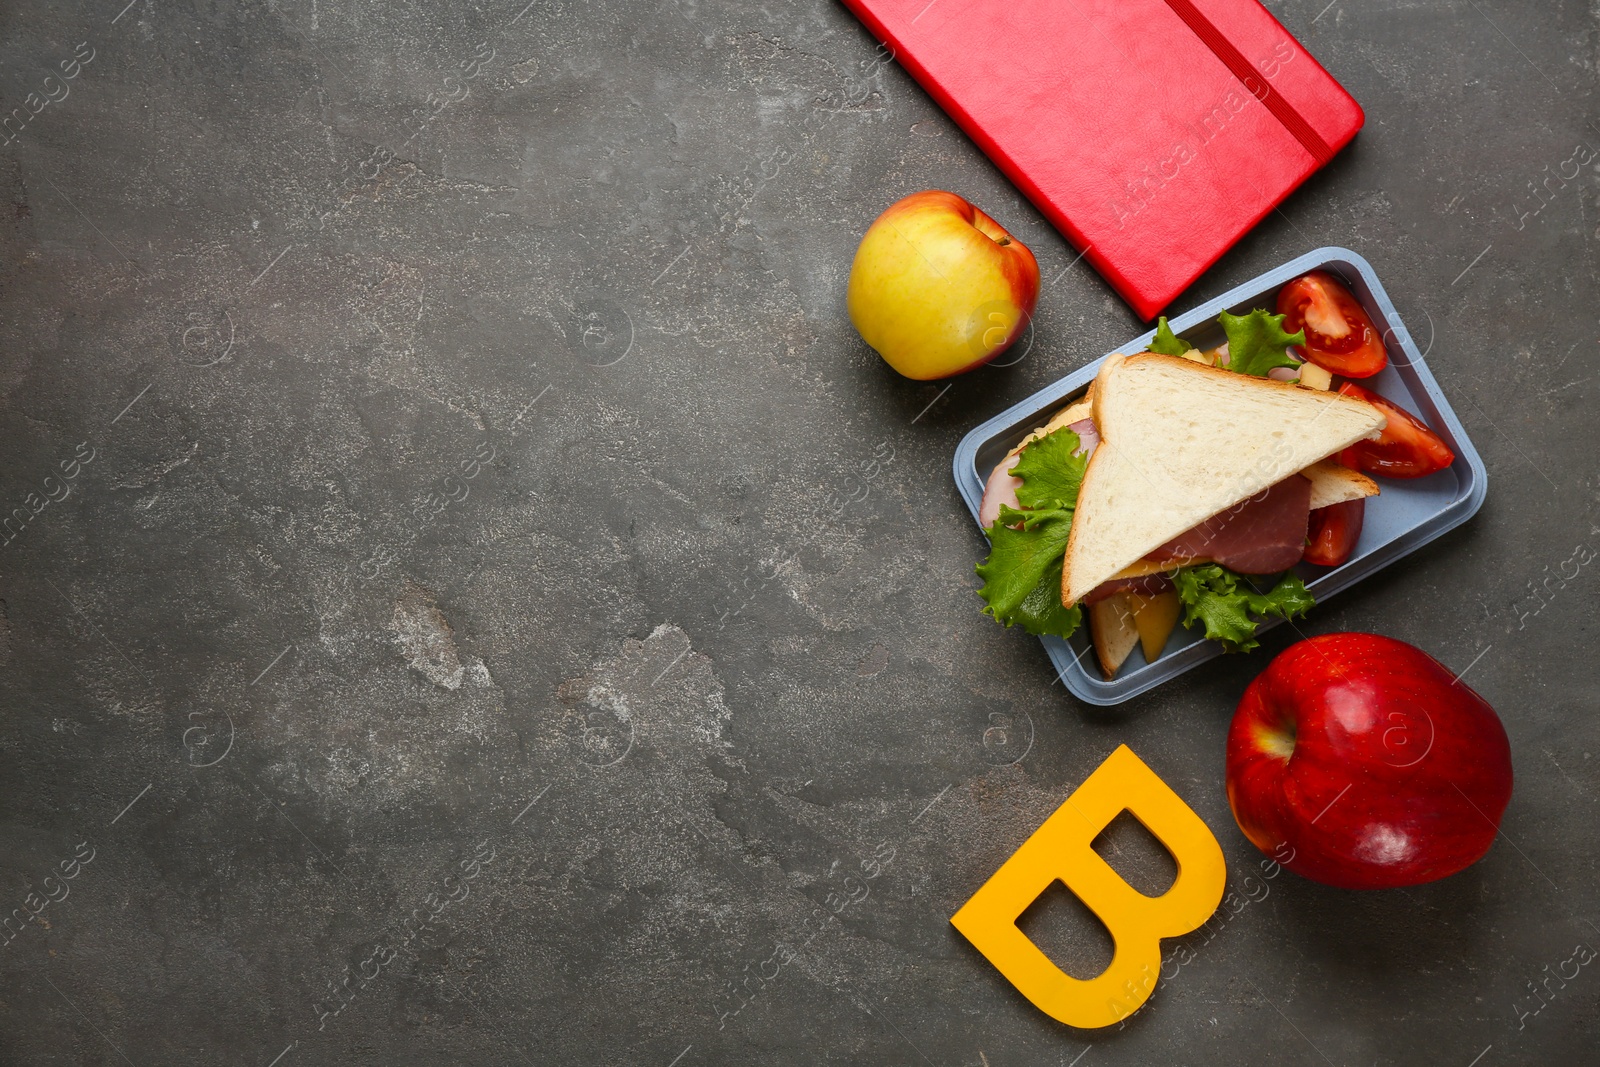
point(1339, 334)
point(1335, 530)
point(1406, 449)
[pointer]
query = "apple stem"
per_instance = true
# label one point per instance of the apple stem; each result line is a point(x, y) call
point(1003, 241)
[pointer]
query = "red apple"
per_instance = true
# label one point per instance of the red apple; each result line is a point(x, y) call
point(938, 287)
point(1362, 762)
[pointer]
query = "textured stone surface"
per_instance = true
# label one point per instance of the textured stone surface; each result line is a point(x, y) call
point(471, 603)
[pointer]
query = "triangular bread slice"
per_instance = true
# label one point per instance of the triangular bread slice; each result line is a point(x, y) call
point(1180, 442)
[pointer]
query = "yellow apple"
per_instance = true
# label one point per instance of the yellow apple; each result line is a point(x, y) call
point(938, 287)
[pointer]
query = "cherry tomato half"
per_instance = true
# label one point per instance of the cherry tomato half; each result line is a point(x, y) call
point(1335, 530)
point(1339, 335)
point(1406, 449)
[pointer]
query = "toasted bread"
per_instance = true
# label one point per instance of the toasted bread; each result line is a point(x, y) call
point(1179, 442)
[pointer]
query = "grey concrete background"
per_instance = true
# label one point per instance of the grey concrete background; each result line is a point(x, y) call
point(464, 519)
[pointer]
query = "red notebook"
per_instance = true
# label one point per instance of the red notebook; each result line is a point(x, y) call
point(1152, 133)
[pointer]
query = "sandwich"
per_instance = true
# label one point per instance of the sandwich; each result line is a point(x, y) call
point(1183, 482)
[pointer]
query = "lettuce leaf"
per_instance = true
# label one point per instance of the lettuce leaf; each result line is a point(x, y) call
point(1042, 612)
point(1167, 343)
point(1257, 343)
point(1223, 602)
point(1051, 471)
point(1022, 576)
point(1019, 557)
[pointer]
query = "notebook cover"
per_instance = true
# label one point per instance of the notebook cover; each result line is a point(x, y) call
point(1152, 133)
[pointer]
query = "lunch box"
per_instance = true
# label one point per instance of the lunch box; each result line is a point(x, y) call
point(1406, 515)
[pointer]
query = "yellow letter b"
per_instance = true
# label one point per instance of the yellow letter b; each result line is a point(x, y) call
point(1060, 850)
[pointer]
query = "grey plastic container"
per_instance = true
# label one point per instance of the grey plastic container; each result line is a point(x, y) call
point(1405, 516)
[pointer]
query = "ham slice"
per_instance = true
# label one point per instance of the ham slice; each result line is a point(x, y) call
point(1087, 434)
point(1262, 535)
point(1001, 488)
